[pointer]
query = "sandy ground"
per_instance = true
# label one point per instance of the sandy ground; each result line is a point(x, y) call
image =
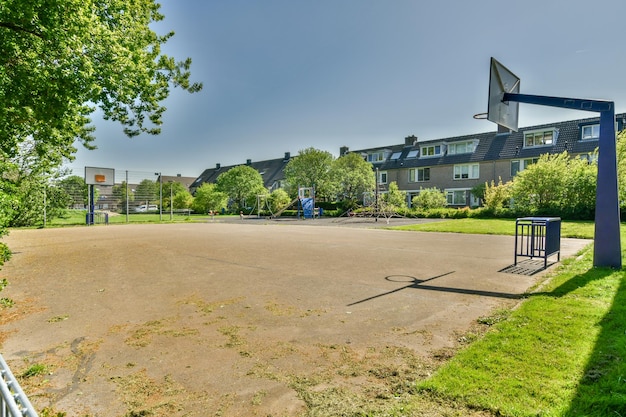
point(254, 317)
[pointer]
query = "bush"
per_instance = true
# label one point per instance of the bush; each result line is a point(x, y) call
point(430, 198)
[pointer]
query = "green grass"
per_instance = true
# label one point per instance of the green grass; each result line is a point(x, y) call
point(77, 218)
point(562, 352)
point(574, 229)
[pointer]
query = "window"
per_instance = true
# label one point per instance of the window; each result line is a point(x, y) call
point(412, 154)
point(433, 150)
point(456, 197)
point(590, 132)
point(382, 177)
point(539, 138)
point(396, 155)
point(376, 157)
point(461, 147)
point(466, 171)
point(419, 174)
point(518, 165)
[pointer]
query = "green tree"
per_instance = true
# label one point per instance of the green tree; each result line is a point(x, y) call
point(312, 168)
point(497, 196)
point(122, 194)
point(62, 59)
point(147, 191)
point(278, 200)
point(209, 198)
point(621, 167)
point(556, 185)
point(354, 176)
point(429, 198)
point(76, 189)
point(241, 184)
point(394, 197)
point(170, 189)
point(183, 200)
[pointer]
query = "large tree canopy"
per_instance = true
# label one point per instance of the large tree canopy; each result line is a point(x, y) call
point(62, 59)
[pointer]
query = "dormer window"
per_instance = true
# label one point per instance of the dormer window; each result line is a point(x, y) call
point(590, 132)
point(431, 151)
point(540, 138)
point(376, 157)
point(462, 147)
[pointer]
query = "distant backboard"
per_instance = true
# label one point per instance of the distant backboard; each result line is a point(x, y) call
point(99, 176)
point(501, 80)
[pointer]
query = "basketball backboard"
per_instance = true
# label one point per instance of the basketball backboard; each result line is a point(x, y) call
point(501, 80)
point(99, 176)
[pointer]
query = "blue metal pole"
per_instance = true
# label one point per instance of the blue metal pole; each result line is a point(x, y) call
point(607, 247)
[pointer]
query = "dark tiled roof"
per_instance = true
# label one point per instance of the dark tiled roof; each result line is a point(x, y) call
point(271, 170)
point(493, 146)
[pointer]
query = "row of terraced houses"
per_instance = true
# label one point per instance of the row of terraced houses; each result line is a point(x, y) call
point(454, 165)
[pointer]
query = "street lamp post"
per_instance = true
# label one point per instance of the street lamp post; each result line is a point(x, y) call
point(160, 195)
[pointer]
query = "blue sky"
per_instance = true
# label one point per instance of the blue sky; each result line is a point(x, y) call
point(285, 75)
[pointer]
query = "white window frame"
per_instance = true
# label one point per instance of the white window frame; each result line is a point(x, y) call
point(382, 177)
point(376, 156)
point(593, 132)
point(451, 193)
point(414, 174)
point(437, 150)
point(540, 138)
point(522, 164)
point(466, 172)
point(469, 145)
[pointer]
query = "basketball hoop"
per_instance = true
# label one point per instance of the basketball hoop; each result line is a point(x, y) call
point(481, 116)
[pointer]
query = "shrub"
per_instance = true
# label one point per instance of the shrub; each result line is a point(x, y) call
point(430, 198)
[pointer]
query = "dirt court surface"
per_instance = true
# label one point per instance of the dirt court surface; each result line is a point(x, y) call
point(248, 318)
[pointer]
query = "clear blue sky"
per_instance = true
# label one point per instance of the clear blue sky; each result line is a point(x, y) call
point(284, 75)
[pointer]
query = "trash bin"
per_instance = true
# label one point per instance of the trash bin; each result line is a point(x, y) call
point(538, 237)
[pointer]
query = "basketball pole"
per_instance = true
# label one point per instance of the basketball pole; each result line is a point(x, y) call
point(607, 250)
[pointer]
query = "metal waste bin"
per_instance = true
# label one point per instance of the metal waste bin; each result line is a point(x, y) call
point(538, 237)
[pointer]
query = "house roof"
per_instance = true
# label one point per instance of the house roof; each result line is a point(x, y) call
point(271, 171)
point(492, 146)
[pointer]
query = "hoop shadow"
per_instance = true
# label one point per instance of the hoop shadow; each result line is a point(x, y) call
point(418, 284)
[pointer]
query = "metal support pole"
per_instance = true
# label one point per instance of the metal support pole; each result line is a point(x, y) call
point(607, 250)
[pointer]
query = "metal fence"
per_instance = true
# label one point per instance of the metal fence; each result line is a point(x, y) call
point(13, 401)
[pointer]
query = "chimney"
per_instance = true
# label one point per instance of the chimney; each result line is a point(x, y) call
point(218, 166)
point(179, 175)
point(248, 161)
point(343, 150)
point(287, 156)
point(410, 140)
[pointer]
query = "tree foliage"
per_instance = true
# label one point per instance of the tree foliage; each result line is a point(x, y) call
point(621, 167)
point(278, 200)
point(430, 198)
point(241, 184)
point(556, 185)
point(147, 192)
point(62, 59)
point(354, 176)
point(497, 196)
point(209, 198)
point(394, 197)
point(312, 168)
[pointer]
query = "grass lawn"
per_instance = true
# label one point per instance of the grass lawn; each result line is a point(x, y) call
point(562, 352)
point(574, 229)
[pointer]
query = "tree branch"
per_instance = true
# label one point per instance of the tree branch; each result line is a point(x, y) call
point(18, 28)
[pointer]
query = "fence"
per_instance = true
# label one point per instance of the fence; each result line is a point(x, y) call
point(13, 401)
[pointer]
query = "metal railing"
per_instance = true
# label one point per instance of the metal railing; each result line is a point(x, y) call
point(13, 401)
